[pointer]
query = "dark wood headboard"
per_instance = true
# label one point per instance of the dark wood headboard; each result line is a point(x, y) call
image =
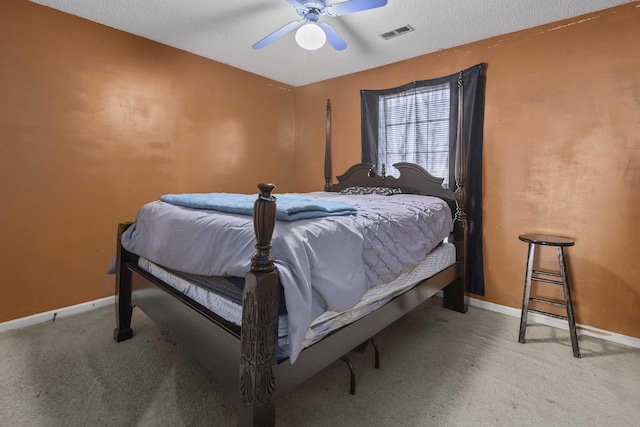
point(413, 179)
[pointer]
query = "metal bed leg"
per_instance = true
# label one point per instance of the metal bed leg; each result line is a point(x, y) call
point(346, 360)
point(377, 352)
point(361, 348)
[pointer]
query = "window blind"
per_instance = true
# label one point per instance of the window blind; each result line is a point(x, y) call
point(413, 127)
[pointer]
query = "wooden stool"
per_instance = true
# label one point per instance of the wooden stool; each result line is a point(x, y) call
point(560, 243)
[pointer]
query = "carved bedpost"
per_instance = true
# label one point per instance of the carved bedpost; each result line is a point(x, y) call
point(259, 336)
point(454, 294)
point(327, 151)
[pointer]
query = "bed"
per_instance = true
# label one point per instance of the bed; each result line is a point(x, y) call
point(246, 356)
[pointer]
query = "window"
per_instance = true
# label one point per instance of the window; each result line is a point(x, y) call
point(413, 126)
point(424, 122)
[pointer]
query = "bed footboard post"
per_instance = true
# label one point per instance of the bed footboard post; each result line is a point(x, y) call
point(124, 309)
point(260, 309)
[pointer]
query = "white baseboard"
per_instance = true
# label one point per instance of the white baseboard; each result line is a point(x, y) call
point(54, 314)
point(558, 323)
point(510, 311)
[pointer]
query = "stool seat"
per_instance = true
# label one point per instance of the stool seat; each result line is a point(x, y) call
point(541, 239)
point(561, 278)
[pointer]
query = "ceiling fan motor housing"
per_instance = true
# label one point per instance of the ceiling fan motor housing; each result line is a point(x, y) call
point(313, 10)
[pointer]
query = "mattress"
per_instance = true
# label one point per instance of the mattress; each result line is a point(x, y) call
point(224, 306)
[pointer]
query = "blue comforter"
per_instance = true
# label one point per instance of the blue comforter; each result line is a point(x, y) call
point(289, 207)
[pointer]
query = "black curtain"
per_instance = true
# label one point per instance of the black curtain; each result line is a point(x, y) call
point(473, 86)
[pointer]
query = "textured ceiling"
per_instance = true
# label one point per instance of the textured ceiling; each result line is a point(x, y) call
point(225, 30)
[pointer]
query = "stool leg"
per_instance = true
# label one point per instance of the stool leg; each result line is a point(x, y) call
point(527, 292)
point(569, 302)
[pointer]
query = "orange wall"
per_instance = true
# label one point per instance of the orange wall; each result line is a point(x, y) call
point(561, 151)
point(95, 122)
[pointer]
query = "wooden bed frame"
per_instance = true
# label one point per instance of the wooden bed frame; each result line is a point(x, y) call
point(244, 360)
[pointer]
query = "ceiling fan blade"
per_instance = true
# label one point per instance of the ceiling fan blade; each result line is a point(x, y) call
point(333, 38)
point(277, 34)
point(353, 6)
point(296, 4)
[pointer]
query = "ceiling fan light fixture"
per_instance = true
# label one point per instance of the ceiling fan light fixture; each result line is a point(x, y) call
point(310, 36)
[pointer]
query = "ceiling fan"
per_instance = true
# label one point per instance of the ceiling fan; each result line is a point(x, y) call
point(312, 33)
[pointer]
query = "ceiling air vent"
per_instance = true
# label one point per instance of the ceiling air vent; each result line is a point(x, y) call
point(397, 32)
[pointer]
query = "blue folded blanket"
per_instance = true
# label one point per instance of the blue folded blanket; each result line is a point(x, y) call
point(289, 207)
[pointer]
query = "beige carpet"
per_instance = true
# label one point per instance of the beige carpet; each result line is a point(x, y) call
point(438, 368)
